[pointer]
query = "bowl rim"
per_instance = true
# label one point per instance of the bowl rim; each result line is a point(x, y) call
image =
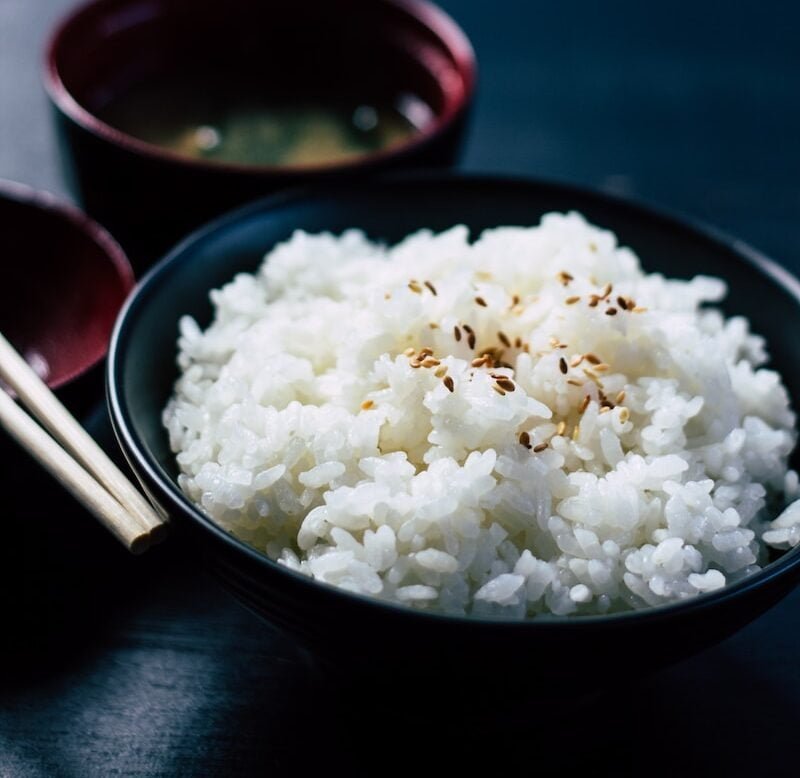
point(436, 20)
point(787, 562)
point(51, 206)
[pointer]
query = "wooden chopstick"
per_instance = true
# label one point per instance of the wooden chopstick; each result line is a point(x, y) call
point(66, 470)
point(46, 407)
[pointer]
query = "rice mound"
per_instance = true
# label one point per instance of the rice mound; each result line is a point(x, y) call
point(528, 424)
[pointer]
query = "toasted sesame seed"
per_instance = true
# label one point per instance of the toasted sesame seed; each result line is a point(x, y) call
point(584, 403)
point(498, 389)
point(604, 409)
point(433, 325)
point(415, 287)
point(367, 404)
point(514, 299)
point(590, 374)
point(562, 365)
point(562, 426)
point(503, 338)
point(602, 367)
point(564, 277)
point(576, 360)
point(611, 312)
point(606, 291)
point(506, 383)
point(479, 361)
point(448, 382)
point(620, 398)
point(574, 382)
point(426, 351)
point(576, 432)
point(457, 333)
point(525, 439)
point(572, 300)
point(480, 301)
point(539, 448)
point(471, 340)
point(631, 303)
point(592, 358)
point(639, 309)
point(409, 352)
point(415, 364)
point(593, 300)
point(622, 303)
point(554, 342)
point(431, 287)
point(430, 362)
point(441, 371)
point(624, 415)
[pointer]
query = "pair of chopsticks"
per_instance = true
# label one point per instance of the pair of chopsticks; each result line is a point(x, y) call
point(81, 465)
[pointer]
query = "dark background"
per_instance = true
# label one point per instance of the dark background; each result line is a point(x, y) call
point(114, 666)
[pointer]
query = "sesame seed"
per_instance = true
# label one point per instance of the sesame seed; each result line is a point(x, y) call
point(606, 291)
point(554, 342)
point(639, 309)
point(467, 328)
point(471, 340)
point(426, 351)
point(480, 301)
point(623, 303)
point(631, 303)
point(387, 295)
point(611, 312)
point(448, 382)
point(562, 426)
point(430, 362)
point(620, 398)
point(562, 365)
point(441, 371)
point(576, 432)
point(433, 325)
point(457, 333)
point(514, 299)
point(592, 358)
point(593, 300)
point(415, 287)
point(624, 415)
point(576, 360)
point(572, 300)
point(498, 389)
point(539, 448)
point(367, 404)
point(505, 383)
point(574, 382)
point(525, 439)
point(564, 277)
point(584, 403)
point(431, 287)
point(503, 338)
point(604, 409)
point(409, 352)
point(415, 364)
point(479, 361)
point(602, 367)
point(590, 374)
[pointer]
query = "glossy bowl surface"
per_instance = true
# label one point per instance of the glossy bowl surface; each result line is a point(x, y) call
point(391, 640)
point(65, 279)
point(148, 196)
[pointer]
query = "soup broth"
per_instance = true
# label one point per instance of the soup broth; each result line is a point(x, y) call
point(214, 122)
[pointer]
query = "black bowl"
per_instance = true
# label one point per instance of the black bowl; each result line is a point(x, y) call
point(370, 50)
point(394, 642)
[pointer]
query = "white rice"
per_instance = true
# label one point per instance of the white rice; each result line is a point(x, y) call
point(304, 423)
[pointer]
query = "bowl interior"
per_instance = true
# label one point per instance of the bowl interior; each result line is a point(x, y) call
point(64, 282)
point(403, 53)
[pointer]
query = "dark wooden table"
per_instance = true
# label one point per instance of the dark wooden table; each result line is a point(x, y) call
point(115, 666)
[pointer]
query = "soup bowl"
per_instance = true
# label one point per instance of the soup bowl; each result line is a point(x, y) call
point(404, 53)
point(387, 641)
